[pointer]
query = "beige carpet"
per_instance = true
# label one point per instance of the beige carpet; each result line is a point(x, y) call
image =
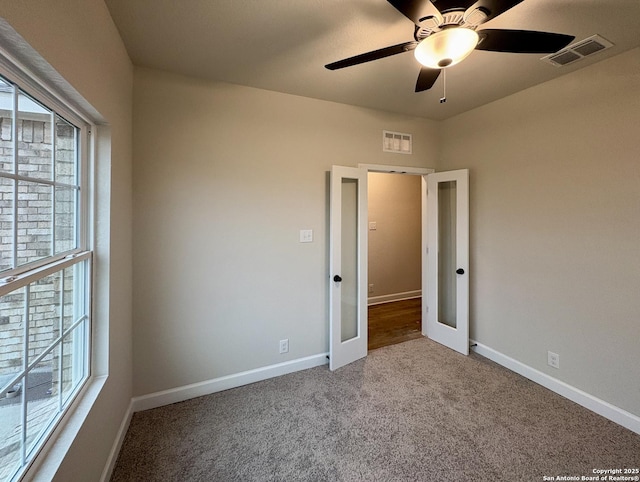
point(410, 412)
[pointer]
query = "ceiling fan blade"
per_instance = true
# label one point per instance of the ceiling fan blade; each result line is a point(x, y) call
point(426, 78)
point(522, 41)
point(374, 55)
point(417, 10)
point(493, 8)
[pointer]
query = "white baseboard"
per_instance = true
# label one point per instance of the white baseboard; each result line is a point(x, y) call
point(406, 295)
point(207, 387)
point(607, 410)
point(117, 444)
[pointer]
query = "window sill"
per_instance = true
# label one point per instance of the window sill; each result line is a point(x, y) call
point(48, 461)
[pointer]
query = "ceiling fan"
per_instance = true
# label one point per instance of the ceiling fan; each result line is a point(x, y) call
point(445, 34)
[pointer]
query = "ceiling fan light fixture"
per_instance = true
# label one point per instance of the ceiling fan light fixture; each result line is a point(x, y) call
point(446, 48)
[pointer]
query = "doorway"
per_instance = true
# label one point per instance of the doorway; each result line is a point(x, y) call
point(394, 258)
point(445, 230)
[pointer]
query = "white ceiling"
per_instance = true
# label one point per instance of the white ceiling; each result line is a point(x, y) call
point(283, 45)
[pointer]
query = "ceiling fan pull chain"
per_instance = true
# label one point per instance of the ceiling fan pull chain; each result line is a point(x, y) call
point(443, 99)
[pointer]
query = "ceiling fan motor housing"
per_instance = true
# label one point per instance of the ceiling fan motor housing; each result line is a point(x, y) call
point(450, 19)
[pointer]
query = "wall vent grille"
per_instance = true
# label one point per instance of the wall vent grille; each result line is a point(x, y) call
point(397, 142)
point(577, 51)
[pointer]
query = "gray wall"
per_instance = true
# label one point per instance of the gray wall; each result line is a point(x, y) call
point(220, 276)
point(555, 225)
point(225, 177)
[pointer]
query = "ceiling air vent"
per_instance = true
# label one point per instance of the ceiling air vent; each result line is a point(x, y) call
point(396, 142)
point(577, 51)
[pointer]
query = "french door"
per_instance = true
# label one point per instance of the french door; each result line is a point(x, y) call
point(447, 268)
point(445, 265)
point(348, 266)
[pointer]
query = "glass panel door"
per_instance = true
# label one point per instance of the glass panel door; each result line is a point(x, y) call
point(348, 266)
point(448, 259)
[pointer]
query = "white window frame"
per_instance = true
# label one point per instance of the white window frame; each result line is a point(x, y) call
point(21, 276)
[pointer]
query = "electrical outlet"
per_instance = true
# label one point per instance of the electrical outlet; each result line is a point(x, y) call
point(370, 288)
point(284, 346)
point(553, 359)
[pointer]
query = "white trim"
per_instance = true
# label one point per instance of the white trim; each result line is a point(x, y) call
point(117, 444)
point(396, 169)
point(424, 268)
point(423, 172)
point(15, 282)
point(207, 387)
point(406, 295)
point(588, 401)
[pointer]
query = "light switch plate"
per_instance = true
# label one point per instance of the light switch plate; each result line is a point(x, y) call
point(306, 235)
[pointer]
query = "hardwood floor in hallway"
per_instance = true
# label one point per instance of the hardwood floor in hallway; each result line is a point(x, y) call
point(395, 322)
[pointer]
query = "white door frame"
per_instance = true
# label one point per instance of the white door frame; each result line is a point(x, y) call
point(423, 172)
point(426, 318)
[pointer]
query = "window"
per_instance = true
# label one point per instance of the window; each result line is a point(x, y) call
point(45, 268)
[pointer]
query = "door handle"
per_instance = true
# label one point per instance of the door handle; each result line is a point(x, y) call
point(337, 278)
point(460, 271)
